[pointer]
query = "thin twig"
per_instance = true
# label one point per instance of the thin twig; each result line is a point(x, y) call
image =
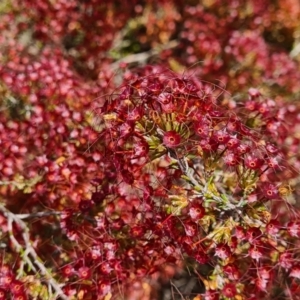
point(177, 290)
point(38, 214)
point(29, 254)
point(143, 56)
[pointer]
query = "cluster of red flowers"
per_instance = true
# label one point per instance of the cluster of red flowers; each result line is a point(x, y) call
point(203, 180)
point(112, 180)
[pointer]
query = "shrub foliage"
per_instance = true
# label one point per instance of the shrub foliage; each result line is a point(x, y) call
point(144, 138)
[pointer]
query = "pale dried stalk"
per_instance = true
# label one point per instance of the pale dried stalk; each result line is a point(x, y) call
point(29, 254)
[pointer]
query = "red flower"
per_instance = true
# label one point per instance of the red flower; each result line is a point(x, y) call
point(196, 211)
point(229, 290)
point(270, 191)
point(223, 251)
point(253, 163)
point(295, 271)
point(2, 294)
point(171, 139)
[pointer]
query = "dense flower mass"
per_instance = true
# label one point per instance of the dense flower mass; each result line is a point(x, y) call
point(125, 160)
point(212, 195)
